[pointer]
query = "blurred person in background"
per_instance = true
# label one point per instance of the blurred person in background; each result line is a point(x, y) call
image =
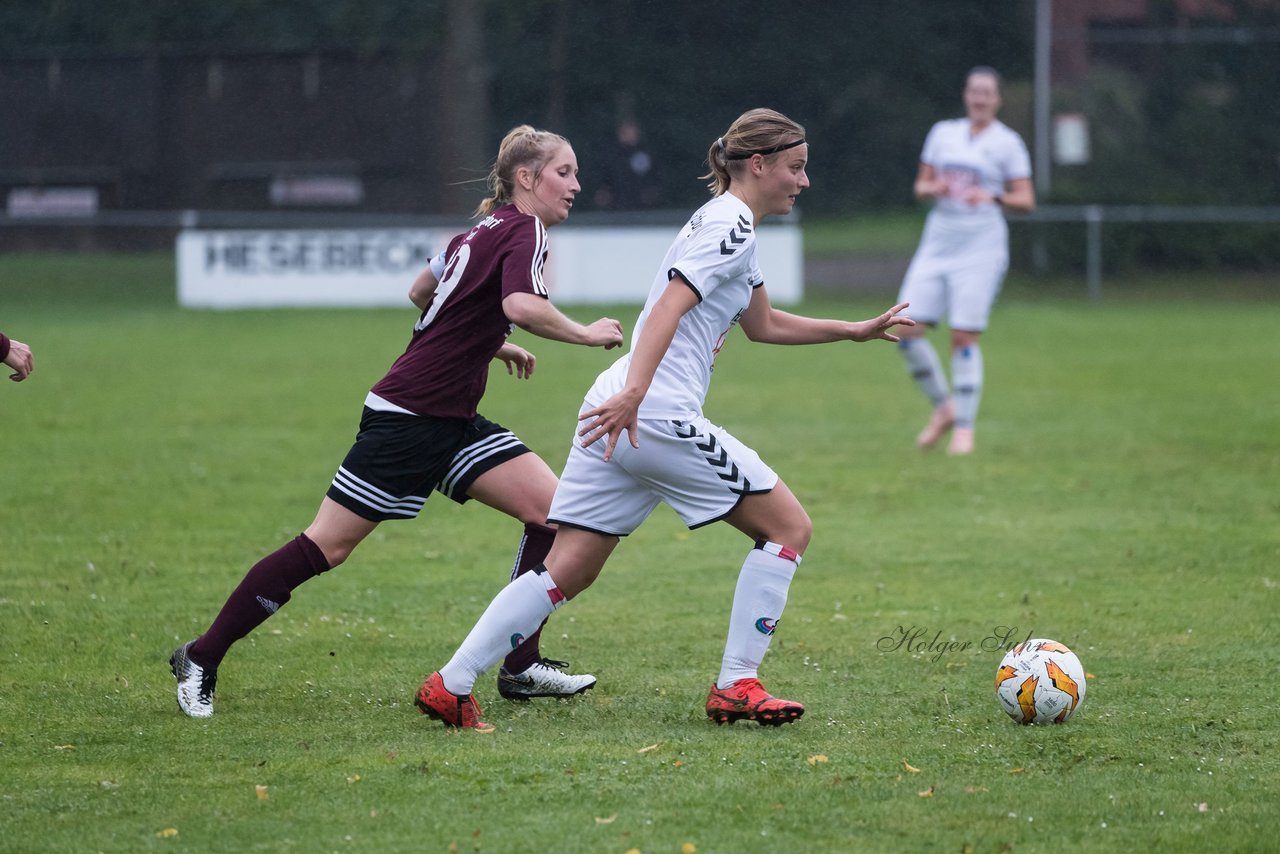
point(16, 355)
point(709, 282)
point(419, 429)
point(972, 169)
point(628, 181)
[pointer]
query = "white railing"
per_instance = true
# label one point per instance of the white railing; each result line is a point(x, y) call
point(1093, 216)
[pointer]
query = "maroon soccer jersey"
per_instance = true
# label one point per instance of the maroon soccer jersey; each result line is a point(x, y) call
point(444, 369)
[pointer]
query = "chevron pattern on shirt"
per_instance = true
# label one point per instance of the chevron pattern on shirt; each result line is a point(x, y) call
point(741, 226)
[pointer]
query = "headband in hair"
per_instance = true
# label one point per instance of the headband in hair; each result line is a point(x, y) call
point(743, 155)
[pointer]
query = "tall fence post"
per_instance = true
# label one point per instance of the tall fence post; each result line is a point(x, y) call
point(1041, 108)
point(1093, 250)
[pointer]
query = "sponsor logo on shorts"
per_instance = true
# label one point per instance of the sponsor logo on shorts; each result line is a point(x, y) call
point(765, 626)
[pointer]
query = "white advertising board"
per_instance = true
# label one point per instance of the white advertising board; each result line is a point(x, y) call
point(271, 269)
point(52, 202)
point(375, 267)
point(617, 264)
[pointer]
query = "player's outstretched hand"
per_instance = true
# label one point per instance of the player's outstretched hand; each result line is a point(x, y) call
point(19, 358)
point(610, 419)
point(605, 332)
point(878, 327)
point(520, 362)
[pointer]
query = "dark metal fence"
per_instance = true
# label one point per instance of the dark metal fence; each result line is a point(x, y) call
point(174, 131)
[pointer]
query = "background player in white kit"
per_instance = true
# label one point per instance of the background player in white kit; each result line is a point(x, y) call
point(420, 431)
point(708, 283)
point(971, 168)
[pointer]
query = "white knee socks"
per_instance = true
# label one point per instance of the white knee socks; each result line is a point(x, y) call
point(966, 374)
point(758, 601)
point(514, 614)
point(925, 368)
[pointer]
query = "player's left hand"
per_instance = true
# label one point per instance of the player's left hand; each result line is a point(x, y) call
point(520, 362)
point(878, 327)
point(20, 360)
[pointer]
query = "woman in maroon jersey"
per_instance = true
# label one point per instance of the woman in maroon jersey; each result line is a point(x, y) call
point(420, 429)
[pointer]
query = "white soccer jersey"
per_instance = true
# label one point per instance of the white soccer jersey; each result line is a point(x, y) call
point(993, 157)
point(715, 252)
point(964, 251)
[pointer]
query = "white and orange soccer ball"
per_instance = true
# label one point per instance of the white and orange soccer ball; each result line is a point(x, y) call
point(1040, 682)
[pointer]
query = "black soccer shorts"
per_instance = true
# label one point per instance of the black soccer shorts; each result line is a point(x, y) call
point(397, 459)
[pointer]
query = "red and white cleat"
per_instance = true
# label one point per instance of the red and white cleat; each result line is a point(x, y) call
point(747, 700)
point(436, 701)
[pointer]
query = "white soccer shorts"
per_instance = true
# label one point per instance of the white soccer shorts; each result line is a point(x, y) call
point(700, 470)
point(956, 274)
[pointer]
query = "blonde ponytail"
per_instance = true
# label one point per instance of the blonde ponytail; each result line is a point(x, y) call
point(760, 131)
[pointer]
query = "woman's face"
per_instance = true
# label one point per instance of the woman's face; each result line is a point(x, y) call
point(551, 194)
point(783, 179)
point(981, 98)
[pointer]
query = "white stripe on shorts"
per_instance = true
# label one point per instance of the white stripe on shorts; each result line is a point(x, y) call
point(470, 455)
point(370, 496)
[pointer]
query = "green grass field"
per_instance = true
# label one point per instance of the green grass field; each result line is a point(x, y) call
point(1123, 500)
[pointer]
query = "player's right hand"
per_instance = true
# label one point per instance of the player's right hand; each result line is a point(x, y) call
point(610, 420)
point(941, 189)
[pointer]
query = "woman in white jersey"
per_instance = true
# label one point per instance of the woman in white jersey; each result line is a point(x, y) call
point(708, 282)
point(972, 169)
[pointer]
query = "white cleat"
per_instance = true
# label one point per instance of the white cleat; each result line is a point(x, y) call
point(544, 678)
point(195, 683)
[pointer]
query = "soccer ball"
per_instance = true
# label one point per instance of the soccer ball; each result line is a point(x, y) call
point(1040, 682)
